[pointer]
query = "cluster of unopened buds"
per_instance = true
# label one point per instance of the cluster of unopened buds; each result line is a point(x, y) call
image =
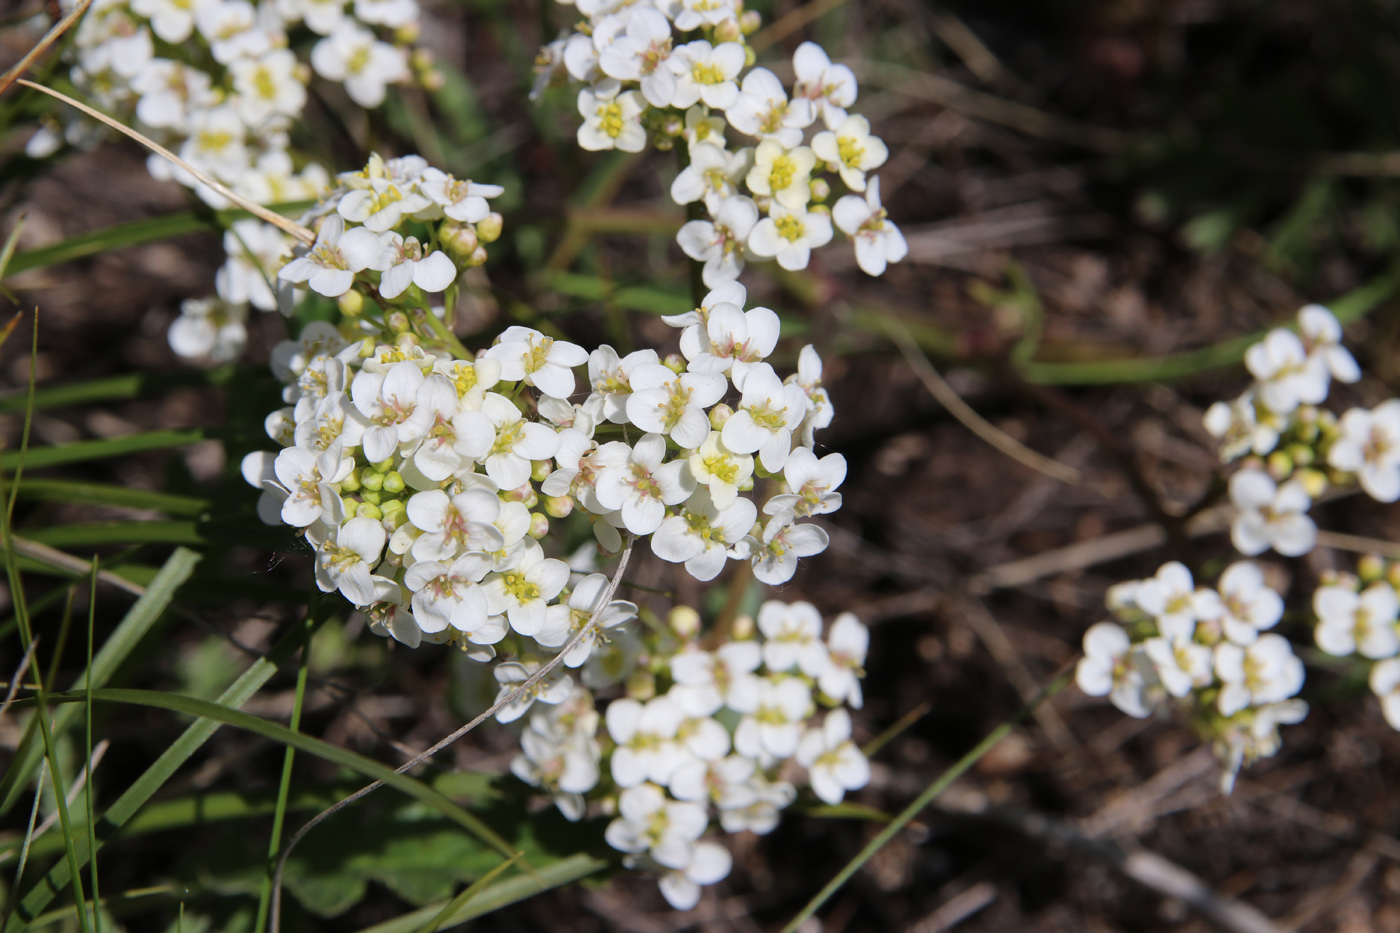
point(219, 82)
point(721, 734)
point(427, 478)
point(763, 201)
point(1206, 650)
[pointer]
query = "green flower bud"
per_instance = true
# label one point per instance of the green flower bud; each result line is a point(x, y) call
point(540, 470)
point(1314, 481)
point(539, 525)
point(371, 496)
point(558, 506)
point(351, 303)
point(488, 229)
point(641, 686)
point(369, 510)
point(719, 415)
point(1371, 567)
point(1302, 454)
point(749, 22)
point(351, 483)
point(673, 126)
point(684, 621)
point(1280, 465)
point(393, 482)
point(728, 31)
point(674, 362)
point(371, 480)
point(385, 465)
point(351, 506)
point(820, 189)
point(397, 321)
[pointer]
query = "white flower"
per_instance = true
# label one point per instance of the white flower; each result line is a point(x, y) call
point(471, 378)
point(706, 681)
point(555, 687)
point(810, 483)
point(834, 764)
point(344, 556)
point(709, 864)
point(775, 555)
point(210, 327)
point(793, 637)
point(232, 29)
point(1258, 674)
point(524, 592)
point(508, 440)
point(564, 765)
point(464, 522)
point(334, 417)
point(761, 816)
point(642, 54)
point(563, 621)
point(730, 340)
point(819, 408)
point(720, 469)
point(461, 200)
point(1171, 598)
point(1322, 337)
point(1270, 515)
point(390, 401)
point(642, 487)
point(1385, 683)
point(216, 144)
point(852, 149)
point(694, 14)
point(878, 241)
point(403, 263)
point(1369, 446)
point(354, 57)
point(727, 782)
point(790, 236)
point(255, 251)
point(771, 732)
point(720, 244)
point(702, 535)
point(1249, 605)
point(768, 413)
point(391, 13)
point(783, 174)
point(171, 20)
point(1287, 376)
point(712, 175)
point(1239, 429)
point(647, 748)
point(267, 86)
point(381, 204)
point(665, 403)
point(706, 73)
point(763, 110)
point(542, 362)
point(309, 479)
point(612, 118)
point(846, 643)
point(831, 88)
point(1181, 665)
point(1363, 623)
point(329, 267)
point(1109, 668)
point(703, 127)
point(170, 92)
point(610, 380)
point(446, 595)
point(648, 822)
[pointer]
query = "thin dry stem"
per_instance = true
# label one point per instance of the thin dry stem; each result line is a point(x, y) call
point(50, 37)
point(285, 224)
point(275, 908)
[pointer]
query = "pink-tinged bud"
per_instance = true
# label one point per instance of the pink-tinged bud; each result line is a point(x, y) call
point(397, 321)
point(742, 629)
point(559, 506)
point(728, 31)
point(519, 493)
point(820, 189)
point(674, 362)
point(539, 525)
point(477, 258)
point(719, 415)
point(460, 239)
point(750, 21)
point(488, 229)
point(684, 621)
point(673, 126)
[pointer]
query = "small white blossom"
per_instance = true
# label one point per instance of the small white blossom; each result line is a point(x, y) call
point(1369, 446)
point(1271, 516)
point(878, 241)
point(834, 764)
point(1363, 623)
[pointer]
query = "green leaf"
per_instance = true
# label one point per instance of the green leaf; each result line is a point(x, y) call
point(631, 297)
point(64, 490)
point(96, 534)
point(83, 451)
point(118, 388)
point(134, 626)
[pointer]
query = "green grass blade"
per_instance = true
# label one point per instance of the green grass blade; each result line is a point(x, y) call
point(116, 388)
point(931, 792)
point(370, 768)
point(631, 297)
point(7, 252)
point(90, 791)
point(283, 789)
point(65, 490)
point(542, 878)
point(96, 534)
point(134, 797)
point(134, 626)
point(83, 451)
point(455, 905)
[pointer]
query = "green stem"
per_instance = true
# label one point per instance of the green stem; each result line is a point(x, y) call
point(440, 331)
point(923, 800)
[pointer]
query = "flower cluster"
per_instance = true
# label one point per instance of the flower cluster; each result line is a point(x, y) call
point(1358, 615)
point(1207, 650)
point(216, 82)
point(1289, 443)
point(703, 735)
point(762, 201)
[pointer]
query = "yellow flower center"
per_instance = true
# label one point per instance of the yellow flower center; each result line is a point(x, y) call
point(790, 228)
point(850, 150)
point(780, 176)
point(610, 118)
point(706, 73)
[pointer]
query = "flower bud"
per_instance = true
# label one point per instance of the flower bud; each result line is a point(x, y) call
point(459, 238)
point(1302, 454)
point(369, 510)
point(433, 80)
point(407, 34)
point(641, 685)
point(1314, 481)
point(673, 126)
point(746, 485)
point(384, 466)
point(540, 470)
point(1279, 465)
point(684, 621)
point(519, 493)
point(1371, 567)
point(749, 22)
point(397, 321)
point(719, 415)
point(1392, 575)
point(371, 496)
point(351, 303)
point(372, 480)
point(351, 506)
point(488, 229)
point(674, 362)
point(728, 31)
point(663, 143)
point(820, 189)
point(393, 483)
point(351, 483)
point(477, 258)
point(421, 59)
point(558, 506)
point(539, 525)
point(742, 629)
